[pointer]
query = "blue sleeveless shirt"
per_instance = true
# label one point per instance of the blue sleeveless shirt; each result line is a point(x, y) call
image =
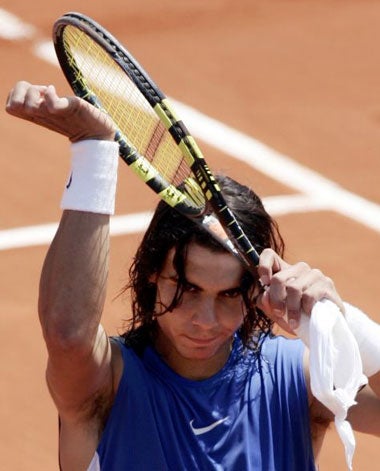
point(252, 415)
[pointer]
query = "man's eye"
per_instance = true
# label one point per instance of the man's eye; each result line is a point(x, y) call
point(189, 288)
point(232, 293)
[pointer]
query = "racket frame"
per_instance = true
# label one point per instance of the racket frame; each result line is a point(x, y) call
point(227, 230)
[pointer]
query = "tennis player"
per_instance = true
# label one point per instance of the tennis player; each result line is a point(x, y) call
point(197, 381)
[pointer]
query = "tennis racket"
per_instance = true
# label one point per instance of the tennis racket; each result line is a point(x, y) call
point(153, 141)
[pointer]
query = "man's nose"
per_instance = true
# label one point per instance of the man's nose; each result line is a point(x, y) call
point(204, 314)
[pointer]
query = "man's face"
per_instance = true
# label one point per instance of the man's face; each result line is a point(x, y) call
point(195, 338)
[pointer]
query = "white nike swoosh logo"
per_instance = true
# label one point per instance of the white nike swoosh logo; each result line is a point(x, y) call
point(201, 430)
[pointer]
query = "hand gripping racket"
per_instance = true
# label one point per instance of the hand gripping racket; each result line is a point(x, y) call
point(152, 139)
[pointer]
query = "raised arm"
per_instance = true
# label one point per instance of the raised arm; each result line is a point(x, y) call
point(74, 276)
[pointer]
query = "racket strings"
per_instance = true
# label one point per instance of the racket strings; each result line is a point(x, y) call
point(116, 93)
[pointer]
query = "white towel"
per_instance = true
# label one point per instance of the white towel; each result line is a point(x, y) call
point(336, 372)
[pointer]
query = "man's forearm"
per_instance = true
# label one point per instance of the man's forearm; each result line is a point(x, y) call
point(73, 279)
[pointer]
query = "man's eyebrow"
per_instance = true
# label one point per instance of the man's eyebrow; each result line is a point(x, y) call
point(232, 288)
point(170, 276)
point(174, 277)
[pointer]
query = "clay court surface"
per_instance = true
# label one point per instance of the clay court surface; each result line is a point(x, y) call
point(300, 77)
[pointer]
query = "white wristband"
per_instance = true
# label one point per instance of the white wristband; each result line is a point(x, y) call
point(367, 336)
point(92, 183)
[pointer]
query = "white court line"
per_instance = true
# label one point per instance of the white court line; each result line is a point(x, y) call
point(281, 168)
point(325, 193)
point(45, 51)
point(317, 192)
point(43, 234)
point(237, 145)
point(12, 28)
point(277, 166)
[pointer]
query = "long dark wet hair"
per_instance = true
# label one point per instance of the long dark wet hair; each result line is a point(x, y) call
point(169, 229)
